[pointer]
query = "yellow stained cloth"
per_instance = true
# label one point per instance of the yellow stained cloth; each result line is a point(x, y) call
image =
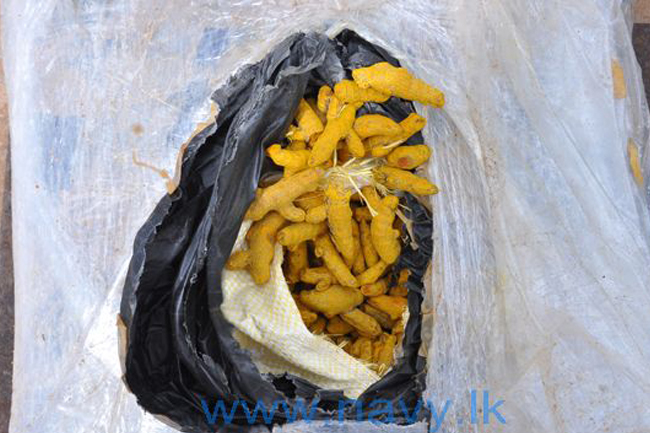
point(268, 325)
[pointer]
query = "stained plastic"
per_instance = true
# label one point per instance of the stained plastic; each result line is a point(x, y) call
point(541, 271)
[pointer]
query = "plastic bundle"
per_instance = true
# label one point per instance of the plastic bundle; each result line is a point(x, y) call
point(181, 351)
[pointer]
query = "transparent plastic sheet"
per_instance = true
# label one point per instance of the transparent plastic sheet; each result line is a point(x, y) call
point(541, 272)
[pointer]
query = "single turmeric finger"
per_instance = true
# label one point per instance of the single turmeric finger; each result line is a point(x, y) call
point(372, 274)
point(323, 100)
point(398, 291)
point(373, 201)
point(334, 108)
point(307, 119)
point(386, 353)
point(401, 289)
point(261, 248)
point(325, 250)
point(339, 220)
point(394, 178)
point(382, 318)
point(293, 161)
point(359, 264)
point(355, 145)
point(321, 277)
point(349, 92)
point(369, 253)
point(362, 349)
point(396, 81)
point(385, 239)
point(394, 306)
point(297, 261)
point(335, 300)
point(412, 124)
point(376, 124)
point(282, 194)
point(365, 325)
point(375, 289)
point(382, 145)
point(403, 276)
point(337, 326)
point(238, 260)
point(261, 244)
point(335, 130)
point(353, 349)
point(408, 157)
point(398, 328)
point(376, 348)
point(300, 232)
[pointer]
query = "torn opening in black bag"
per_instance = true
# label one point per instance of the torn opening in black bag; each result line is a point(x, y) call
point(180, 350)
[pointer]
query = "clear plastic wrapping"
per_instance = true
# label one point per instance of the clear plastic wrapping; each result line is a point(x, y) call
point(539, 286)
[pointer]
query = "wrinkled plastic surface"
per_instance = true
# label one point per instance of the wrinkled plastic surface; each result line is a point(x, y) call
point(541, 269)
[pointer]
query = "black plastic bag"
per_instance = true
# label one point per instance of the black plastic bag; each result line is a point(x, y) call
point(180, 349)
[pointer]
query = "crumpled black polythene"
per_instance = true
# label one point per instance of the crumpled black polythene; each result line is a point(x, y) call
point(180, 348)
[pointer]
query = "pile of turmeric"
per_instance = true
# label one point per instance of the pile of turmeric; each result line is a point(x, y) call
point(336, 211)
